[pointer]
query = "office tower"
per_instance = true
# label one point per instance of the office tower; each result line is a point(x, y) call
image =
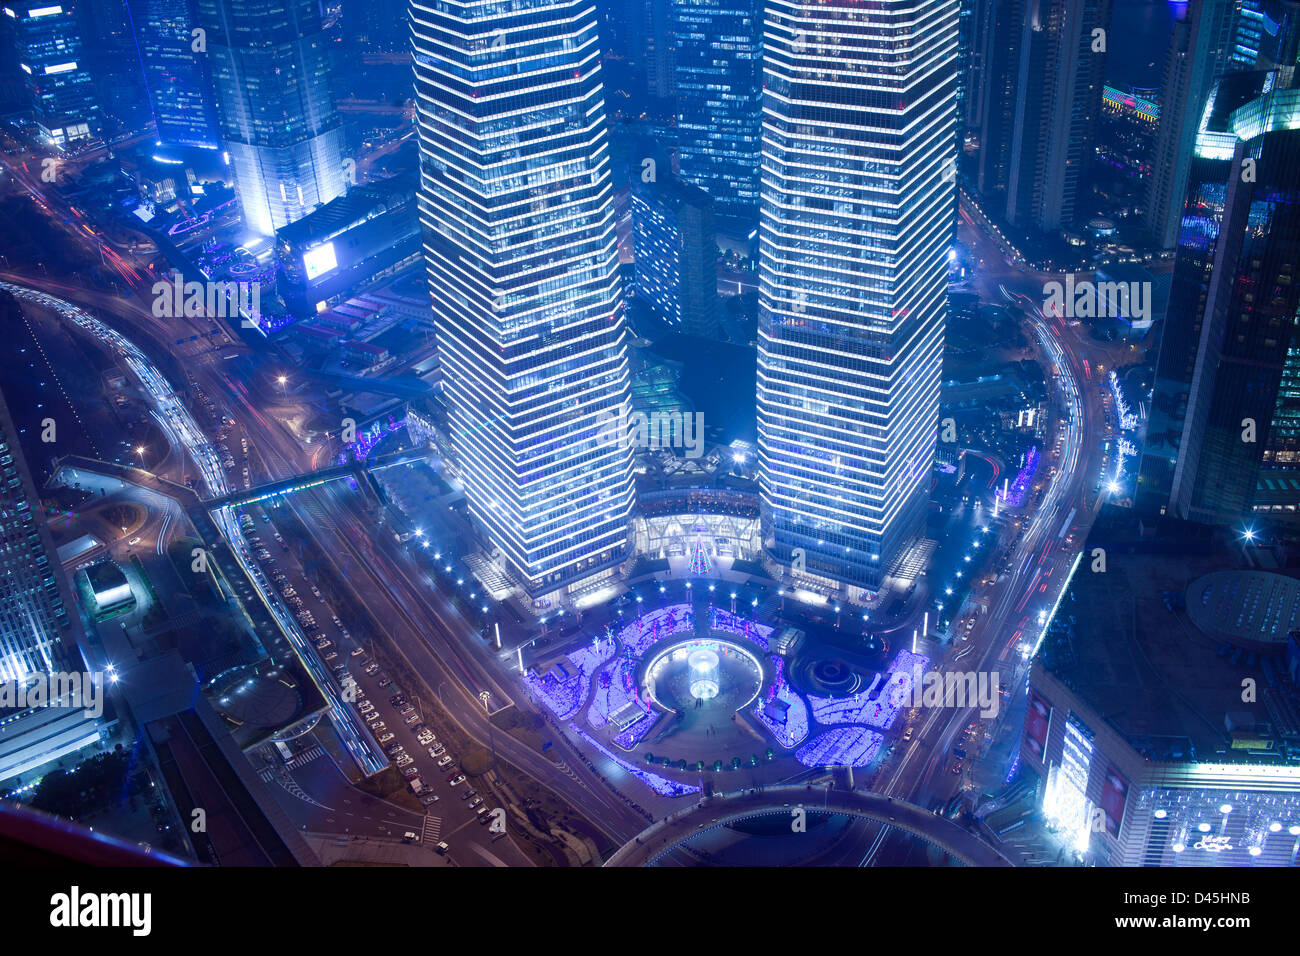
point(1057, 102)
point(676, 250)
point(1197, 51)
point(110, 55)
point(1218, 408)
point(40, 631)
point(859, 127)
point(517, 207)
point(719, 52)
point(46, 42)
point(993, 101)
point(278, 123)
point(175, 74)
point(659, 49)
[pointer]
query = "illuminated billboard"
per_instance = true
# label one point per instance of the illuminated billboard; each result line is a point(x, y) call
point(316, 262)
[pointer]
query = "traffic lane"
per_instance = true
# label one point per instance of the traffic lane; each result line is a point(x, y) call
point(576, 784)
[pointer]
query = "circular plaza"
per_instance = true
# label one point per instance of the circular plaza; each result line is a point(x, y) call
point(687, 690)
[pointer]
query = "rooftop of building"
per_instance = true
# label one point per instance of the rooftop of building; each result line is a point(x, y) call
point(1130, 639)
point(359, 204)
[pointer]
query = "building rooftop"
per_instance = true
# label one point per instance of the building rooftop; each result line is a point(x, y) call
point(1130, 640)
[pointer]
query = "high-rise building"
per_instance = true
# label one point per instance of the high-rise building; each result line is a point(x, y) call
point(46, 41)
point(1057, 102)
point(676, 250)
point(660, 52)
point(270, 68)
point(517, 206)
point(175, 72)
point(110, 55)
point(1001, 31)
point(1219, 411)
point(718, 57)
point(40, 630)
point(859, 127)
point(1197, 52)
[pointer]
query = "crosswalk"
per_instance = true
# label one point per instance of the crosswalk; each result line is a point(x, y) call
point(305, 758)
point(432, 830)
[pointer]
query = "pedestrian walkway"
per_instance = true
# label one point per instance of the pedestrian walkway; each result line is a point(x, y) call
point(432, 830)
point(306, 757)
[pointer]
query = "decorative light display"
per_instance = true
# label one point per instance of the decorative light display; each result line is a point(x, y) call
point(842, 747)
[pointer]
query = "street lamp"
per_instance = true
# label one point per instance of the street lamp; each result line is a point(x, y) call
point(282, 379)
point(486, 696)
point(139, 450)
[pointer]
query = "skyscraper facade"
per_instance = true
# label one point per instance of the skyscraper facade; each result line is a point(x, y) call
point(38, 629)
point(279, 125)
point(676, 253)
point(1221, 411)
point(1198, 51)
point(1056, 104)
point(175, 73)
point(718, 64)
point(859, 129)
point(517, 206)
point(46, 40)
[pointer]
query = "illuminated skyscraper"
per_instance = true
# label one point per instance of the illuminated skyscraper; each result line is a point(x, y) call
point(270, 68)
point(859, 134)
point(1223, 436)
point(180, 88)
point(718, 57)
point(517, 207)
point(46, 41)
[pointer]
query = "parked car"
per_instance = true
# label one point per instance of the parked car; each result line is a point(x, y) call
point(444, 762)
point(458, 780)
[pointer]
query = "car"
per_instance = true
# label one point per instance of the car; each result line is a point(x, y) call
point(437, 751)
point(371, 669)
point(957, 768)
point(475, 802)
point(378, 726)
point(321, 645)
point(457, 781)
point(357, 652)
point(428, 798)
point(408, 709)
point(330, 656)
point(385, 682)
point(445, 761)
point(394, 749)
point(386, 736)
point(409, 770)
point(425, 738)
point(471, 792)
point(365, 706)
point(442, 848)
point(484, 814)
point(413, 719)
point(397, 700)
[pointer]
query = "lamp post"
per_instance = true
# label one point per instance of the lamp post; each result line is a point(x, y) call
point(486, 696)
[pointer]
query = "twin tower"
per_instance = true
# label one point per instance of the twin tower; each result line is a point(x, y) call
point(856, 220)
